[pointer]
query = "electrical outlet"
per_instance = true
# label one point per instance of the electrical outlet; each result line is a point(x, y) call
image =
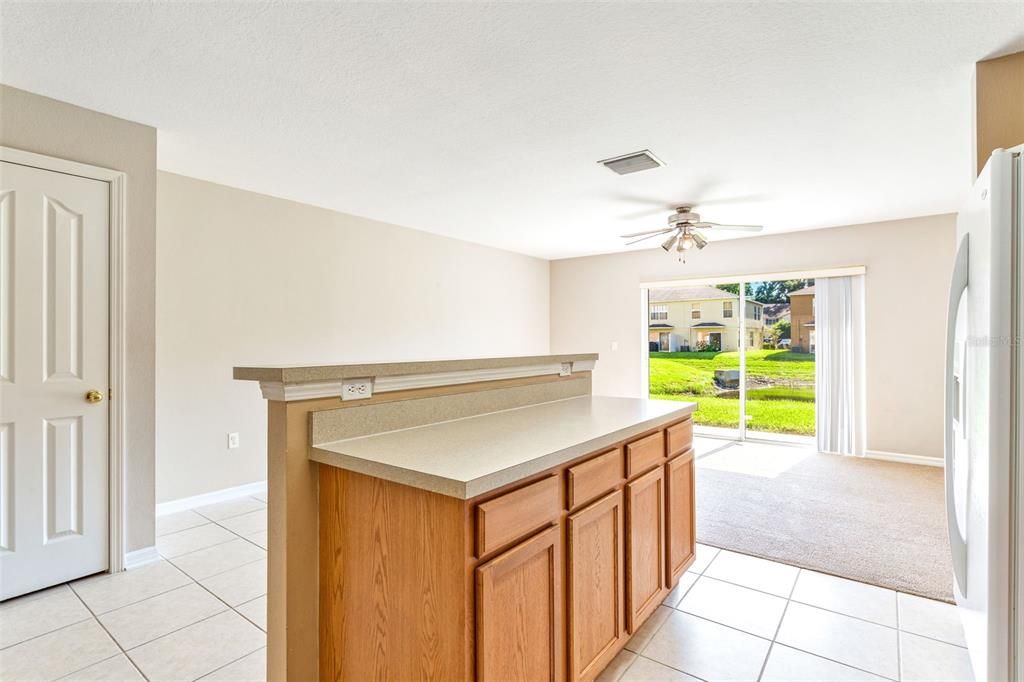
point(232, 441)
point(356, 389)
point(615, 345)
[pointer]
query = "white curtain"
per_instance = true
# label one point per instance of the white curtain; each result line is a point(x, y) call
point(839, 348)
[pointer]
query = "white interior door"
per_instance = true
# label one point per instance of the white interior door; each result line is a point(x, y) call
point(54, 341)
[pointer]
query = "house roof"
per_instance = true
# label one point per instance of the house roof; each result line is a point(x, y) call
point(806, 291)
point(695, 293)
point(707, 324)
point(776, 309)
point(661, 325)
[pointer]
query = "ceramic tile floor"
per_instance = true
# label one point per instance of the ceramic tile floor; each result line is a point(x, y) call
point(739, 618)
point(198, 613)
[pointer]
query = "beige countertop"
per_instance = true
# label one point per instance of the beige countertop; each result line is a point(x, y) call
point(327, 372)
point(468, 457)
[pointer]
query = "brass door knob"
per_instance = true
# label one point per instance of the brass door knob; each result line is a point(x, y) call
point(93, 396)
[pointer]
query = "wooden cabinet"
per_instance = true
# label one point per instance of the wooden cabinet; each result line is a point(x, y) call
point(543, 579)
point(519, 612)
point(645, 541)
point(596, 585)
point(679, 515)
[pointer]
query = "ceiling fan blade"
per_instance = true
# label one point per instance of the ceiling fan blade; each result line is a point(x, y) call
point(656, 234)
point(641, 234)
point(742, 228)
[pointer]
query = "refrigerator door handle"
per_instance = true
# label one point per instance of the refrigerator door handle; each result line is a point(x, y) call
point(957, 287)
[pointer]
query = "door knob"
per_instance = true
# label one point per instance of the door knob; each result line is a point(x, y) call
point(93, 396)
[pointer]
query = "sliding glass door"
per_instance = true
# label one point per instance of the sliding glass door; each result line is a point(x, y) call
point(743, 352)
point(693, 346)
point(779, 364)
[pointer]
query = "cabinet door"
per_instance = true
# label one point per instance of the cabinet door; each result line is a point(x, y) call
point(645, 542)
point(519, 612)
point(680, 516)
point(596, 585)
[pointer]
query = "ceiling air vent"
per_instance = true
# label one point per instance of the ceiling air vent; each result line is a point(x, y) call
point(632, 163)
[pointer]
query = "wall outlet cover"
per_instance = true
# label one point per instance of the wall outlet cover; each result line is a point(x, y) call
point(233, 440)
point(356, 389)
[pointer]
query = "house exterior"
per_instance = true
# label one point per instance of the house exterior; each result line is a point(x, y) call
point(685, 318)
point(773, 314)
point(801, 312)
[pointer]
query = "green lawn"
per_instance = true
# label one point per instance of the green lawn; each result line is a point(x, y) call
point(780, 397)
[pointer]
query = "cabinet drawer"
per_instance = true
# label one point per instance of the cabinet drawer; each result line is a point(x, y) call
point(594, 477)
point(515, 514)
point(680, 437)
point(644, 453)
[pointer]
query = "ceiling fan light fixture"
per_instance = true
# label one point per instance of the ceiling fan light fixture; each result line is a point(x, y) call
point(686, 242)
point(670, 242)
point(699, 240)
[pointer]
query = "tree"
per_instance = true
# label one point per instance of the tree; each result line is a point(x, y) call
point(773, 291)
point(780, 330)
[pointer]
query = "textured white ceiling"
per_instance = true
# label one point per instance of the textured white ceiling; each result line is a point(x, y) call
point(484, 121)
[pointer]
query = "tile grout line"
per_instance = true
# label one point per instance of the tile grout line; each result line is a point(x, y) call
point(110, 635)
point(899, 642)
point(43, 634)
point(790, 646)
point(822, 608)
point(108, 658)
point(785, 608)
point(207, 674)
point(193, 581)
point(214, 575)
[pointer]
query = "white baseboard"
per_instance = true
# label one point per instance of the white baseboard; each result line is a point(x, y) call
point(140, 557)
point(186, 503)
point(904, 458)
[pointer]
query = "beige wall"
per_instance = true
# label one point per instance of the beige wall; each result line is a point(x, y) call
point(245, 278)
point(45, 126)
point(595, 302)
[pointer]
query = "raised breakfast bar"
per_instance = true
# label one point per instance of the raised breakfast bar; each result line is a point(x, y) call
point(467, 519)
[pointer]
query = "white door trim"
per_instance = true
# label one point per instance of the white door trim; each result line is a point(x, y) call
point(117, 181)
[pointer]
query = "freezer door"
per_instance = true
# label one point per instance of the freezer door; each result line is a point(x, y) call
point(980, 528)
point(956, 441)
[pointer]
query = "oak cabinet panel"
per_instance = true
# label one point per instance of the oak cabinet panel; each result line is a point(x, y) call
point(594, 477)
point(680, 437)
point(596, 589)
point(516, 514)
point(679, 515)
point(519, 633)
point(645, 552)
point(644, 453)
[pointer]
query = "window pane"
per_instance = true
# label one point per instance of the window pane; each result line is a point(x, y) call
point(780, 373)
point(700, 361)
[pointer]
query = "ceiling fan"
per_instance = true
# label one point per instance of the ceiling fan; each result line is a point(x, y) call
point(683, 231)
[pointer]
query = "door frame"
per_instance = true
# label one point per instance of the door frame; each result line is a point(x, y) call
point(117, 181)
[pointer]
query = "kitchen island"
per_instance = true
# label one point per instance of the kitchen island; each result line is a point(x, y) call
point(472, 519)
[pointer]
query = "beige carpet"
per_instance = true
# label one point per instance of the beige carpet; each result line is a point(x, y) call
point(876, 522)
